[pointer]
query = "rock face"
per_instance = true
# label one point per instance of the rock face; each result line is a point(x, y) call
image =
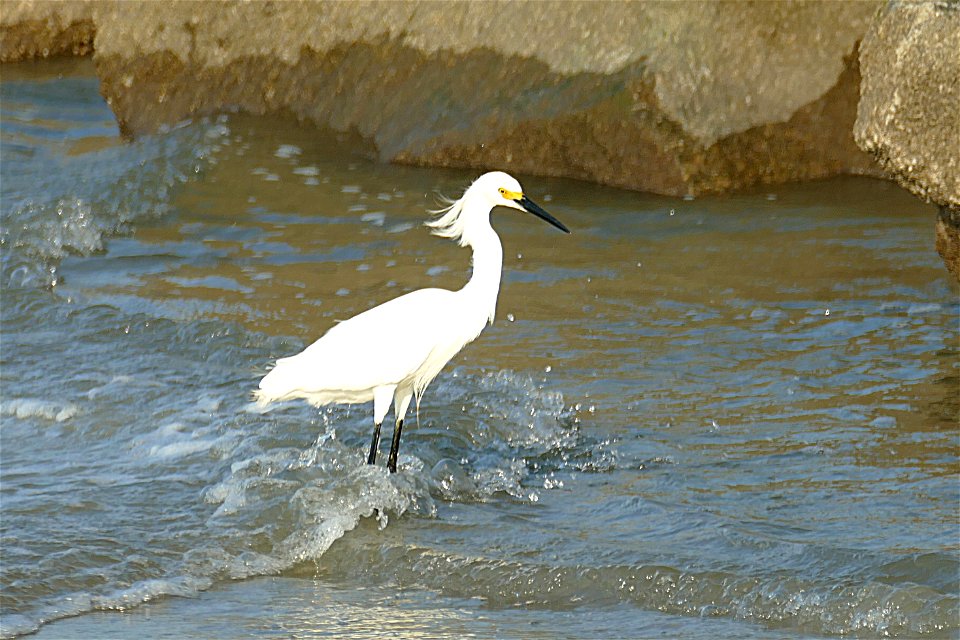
point(909, 112)
point(948, 239)
point(666, 97)
point(31, 29)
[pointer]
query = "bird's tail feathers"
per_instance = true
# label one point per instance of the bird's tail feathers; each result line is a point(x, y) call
point(277, 384)
point(261, 397)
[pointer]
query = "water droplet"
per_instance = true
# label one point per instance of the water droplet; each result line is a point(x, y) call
point(510, 317)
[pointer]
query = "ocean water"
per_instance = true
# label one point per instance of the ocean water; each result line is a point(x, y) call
point(726, 417)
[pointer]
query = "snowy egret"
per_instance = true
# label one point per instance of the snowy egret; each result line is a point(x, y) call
point(394, 350)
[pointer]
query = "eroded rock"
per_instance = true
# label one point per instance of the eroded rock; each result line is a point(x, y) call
point(653, 96)
point(909, 112)
point(31, 29)
point(948, 239)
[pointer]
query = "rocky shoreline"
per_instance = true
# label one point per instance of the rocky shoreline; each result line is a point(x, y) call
point(691, 98)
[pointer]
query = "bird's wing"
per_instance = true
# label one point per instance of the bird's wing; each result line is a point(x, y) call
point(379, 347)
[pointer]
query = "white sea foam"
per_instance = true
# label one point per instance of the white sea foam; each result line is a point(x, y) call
point(24, 408)
point(177, 440)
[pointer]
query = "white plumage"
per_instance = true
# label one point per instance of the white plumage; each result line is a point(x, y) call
point(393, 351)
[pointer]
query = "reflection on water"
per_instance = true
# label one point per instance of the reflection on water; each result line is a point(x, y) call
point(724, 417)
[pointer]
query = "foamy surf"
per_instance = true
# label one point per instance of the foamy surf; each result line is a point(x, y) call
point(277, 506)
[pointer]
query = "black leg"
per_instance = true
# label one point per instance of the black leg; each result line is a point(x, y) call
point(395, 447)
point(372, 458)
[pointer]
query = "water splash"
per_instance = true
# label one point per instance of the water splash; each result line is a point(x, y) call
point(84, 199)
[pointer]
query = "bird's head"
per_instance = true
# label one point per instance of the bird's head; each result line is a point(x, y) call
point(464, 218)
point(503, 190)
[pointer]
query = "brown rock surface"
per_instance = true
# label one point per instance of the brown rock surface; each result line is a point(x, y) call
point(948, 239)
point(30, 29)
point(909, 112)
point(659, 96)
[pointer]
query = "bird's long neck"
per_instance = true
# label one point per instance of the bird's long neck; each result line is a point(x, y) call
point(484, 285)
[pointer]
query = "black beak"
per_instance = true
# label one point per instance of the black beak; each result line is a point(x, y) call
point(536, 210)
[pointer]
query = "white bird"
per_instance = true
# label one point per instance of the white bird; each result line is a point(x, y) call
point(394, 350)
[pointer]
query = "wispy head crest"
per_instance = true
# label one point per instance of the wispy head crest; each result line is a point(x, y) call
point(448, 223)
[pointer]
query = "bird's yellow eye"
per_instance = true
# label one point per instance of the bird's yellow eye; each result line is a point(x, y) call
point(502, 191)
point(510, 195)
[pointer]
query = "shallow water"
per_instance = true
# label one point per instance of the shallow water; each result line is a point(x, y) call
point(723, 417)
